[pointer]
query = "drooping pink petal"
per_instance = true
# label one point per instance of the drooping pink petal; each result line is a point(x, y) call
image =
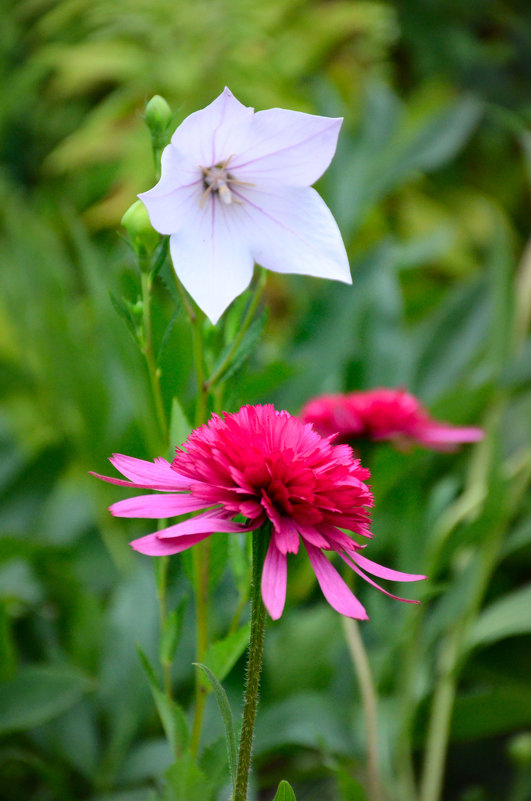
point(211, 255)
point(291, 230)
point(202, 523)
point(384, 572)
point(288, 147)
point(157, 475)
point(370, 581)
point(440, 435)
point(156, 506)
point(334, 588)
point(152, 545)
point(274, 580)
point(211, 135)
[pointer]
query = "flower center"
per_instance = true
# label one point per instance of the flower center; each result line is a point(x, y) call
point(217, 180)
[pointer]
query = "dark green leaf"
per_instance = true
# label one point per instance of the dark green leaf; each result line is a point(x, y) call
point(170, 712)
point(38, 694)
point(223, 654)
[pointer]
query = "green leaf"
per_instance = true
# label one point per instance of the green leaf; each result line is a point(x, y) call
point(171, 713)
point(222, 655)
point(506, 617)
point(185, 781)
point(39, 693)
point(172, 632)
point(284, 792)
point(226, 714)
point(244, 349)
point(122, 307)
point(180, 426)
point(491, 712)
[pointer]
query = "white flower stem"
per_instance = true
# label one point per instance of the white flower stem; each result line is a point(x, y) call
point(370, 705)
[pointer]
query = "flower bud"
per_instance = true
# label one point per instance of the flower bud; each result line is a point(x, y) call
point(158, 116)
point(141, 233)
point(519, 749)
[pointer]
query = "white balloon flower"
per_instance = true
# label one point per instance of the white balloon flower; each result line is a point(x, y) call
point(236, 189)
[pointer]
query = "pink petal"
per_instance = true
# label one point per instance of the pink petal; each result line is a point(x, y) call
point(157, 475)
point(156, 506)
point(151, 545)
point(334, 588)
point(274, 580)
point(384, 572)
point(286, 536)
point(211, 135)
point(373, 583)
point(288, 147)
point(211, 254)
point(291, 230)
point(440, 434)
point(202, 523)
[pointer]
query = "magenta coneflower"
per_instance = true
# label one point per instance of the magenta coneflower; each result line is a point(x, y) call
point(264, 465)
point(384, 414)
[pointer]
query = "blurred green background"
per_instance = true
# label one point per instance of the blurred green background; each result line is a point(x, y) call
point(430, 186)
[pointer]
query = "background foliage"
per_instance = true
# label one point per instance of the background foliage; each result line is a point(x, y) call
point(430, 188)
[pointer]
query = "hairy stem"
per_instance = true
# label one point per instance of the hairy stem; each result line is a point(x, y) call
point(254, 666)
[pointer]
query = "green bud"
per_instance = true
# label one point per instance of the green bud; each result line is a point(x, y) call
point(519, 749)
point(141, 233)
point(158, 116)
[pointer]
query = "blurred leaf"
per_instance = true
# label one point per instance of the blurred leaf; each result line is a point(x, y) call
point(39, 693)
point(243, 351)
point(506, 617)
point(172, 632)
point(219, 557)
point(213, 763)
point(222, 655)
point(305, 719)
point(180, 426)
point(123, 309)
point(148, 759)
point(284, 792)
point(171, 713)
point(491, 712)
point(185, 781)
point(226, 714)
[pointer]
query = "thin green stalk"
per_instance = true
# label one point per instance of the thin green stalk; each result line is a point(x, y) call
point(200, 555)
point(241, 333)
point(147, 350)
point(369, 699)
point(162, 565)
point(254, 666)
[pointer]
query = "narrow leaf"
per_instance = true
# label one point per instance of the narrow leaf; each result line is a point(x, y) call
point(504, 618)
point(226, 714)
point(172, 632)
point(180, 426)
point(170, 712)
point(284, 792)
point(123, 310)
point(245, 348)
point(222, 655)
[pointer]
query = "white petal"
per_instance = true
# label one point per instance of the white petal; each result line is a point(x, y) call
point(291, 230)
point(289, 147)
point(209, 136)
point(211, 255)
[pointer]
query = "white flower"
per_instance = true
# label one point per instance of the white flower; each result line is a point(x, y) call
point(235, 189)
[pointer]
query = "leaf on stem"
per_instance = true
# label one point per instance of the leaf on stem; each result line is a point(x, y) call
point(172, 632)
point(226, 714)
point(221, 656)
point(243, 351)
point(285, 792)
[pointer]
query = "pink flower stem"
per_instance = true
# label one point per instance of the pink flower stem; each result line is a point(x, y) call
point(254, 664)
point(361, 665)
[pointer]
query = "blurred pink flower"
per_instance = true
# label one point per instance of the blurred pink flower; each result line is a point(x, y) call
point(235, 189)
point(383, 413)
point(266, 466)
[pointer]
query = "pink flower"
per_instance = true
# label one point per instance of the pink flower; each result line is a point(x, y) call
point(264, 465)
point(383, 413)
point(236, 189)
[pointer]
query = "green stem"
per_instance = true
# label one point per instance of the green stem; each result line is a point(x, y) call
point(369, 699)
point(241, 333)
point(200, 554)
point(147, 350)
point(254, 666)
point(162, 565)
